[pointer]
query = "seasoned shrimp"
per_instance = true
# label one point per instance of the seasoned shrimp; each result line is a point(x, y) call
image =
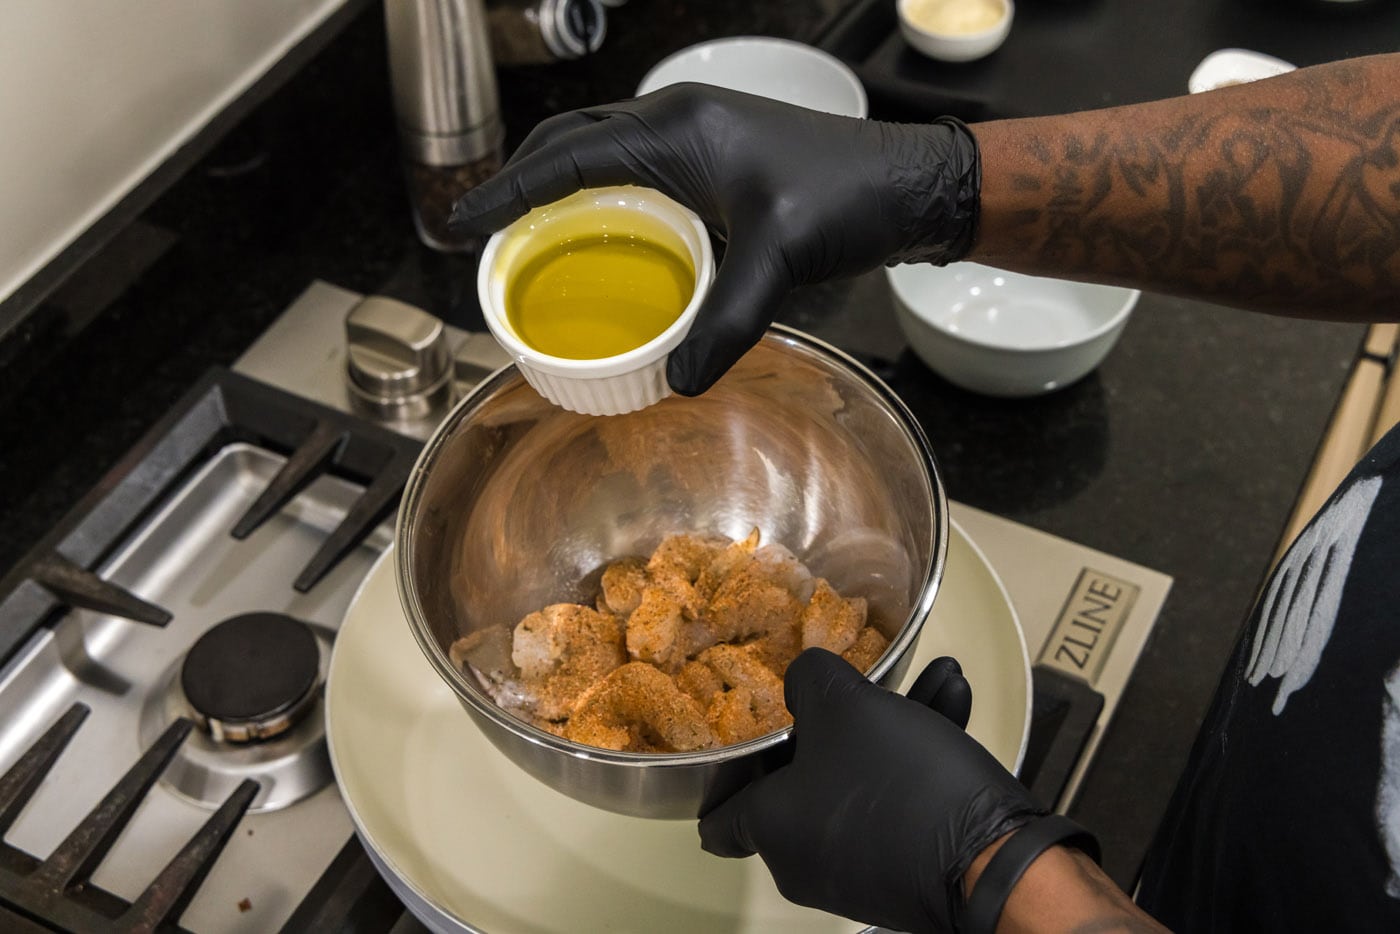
point(656, 630)
point(751, 591)
point(725, 562)
point(777, 649)
point(639, 709)
point(623, 583)
point(869, 645)
point(732, 716)
point(738, 668)
point(776, 564)
point(746, 605)
point(831, 621)
point(676, 564)
point(684, 555)
point(561, 651)
point(684, 649)
point(699, 681)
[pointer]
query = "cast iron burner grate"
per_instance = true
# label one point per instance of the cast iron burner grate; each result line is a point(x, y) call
point(60, 573)
point(58, 890)
point(223, 408)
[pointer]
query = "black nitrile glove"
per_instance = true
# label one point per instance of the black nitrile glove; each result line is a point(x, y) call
point(799, 195)
point(885, 804)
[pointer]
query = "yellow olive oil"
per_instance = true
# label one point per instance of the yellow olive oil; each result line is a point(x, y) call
point(598, 295)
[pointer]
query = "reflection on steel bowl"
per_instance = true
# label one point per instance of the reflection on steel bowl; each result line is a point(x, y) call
point(516, 504)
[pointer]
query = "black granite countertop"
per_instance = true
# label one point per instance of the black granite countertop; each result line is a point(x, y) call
point(1183, 452)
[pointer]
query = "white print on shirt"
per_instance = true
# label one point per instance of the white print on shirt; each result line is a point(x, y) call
point(1301, 605)
point(1388, 791)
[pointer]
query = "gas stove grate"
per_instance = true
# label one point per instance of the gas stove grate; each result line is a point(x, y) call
point(224, 407)
point(58, 890)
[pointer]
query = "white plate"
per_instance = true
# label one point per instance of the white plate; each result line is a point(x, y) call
point(472, 843)
point(784, 70)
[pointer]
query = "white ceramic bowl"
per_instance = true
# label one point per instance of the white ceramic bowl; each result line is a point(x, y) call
point(1005, 334)
point(1225, 67)
point(605, 385)
point(938, 29)
point(778, 68)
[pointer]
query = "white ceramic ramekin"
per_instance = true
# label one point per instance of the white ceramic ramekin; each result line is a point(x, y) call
point(607, 385)
point(954, 46)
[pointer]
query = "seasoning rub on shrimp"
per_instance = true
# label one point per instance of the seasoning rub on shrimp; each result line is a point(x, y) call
point(682, 650)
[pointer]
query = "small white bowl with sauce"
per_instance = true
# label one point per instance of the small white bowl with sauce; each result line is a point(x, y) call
point(1002, 333)
point(955, 30)
point(631, 373)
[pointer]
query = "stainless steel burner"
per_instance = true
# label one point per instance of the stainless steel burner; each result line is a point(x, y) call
point(251, 677)
point(290, 765)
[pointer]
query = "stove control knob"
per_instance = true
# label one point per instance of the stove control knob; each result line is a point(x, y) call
point(398, 363)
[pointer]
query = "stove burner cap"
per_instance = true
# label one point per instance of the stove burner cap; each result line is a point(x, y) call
point(251, 677)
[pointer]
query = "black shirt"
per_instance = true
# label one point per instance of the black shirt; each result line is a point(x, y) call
point(1287, 817)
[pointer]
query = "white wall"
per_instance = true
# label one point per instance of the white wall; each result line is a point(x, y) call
point(94, 94)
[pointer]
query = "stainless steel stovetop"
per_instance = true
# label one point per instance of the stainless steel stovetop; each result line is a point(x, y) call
point(1086, 617)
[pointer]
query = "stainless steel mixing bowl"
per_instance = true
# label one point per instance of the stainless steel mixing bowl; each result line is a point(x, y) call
point(516, 504)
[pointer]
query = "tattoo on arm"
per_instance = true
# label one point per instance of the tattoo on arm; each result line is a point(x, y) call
point(1290, 200)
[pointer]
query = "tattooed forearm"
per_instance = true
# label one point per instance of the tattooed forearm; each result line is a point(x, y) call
point(1282, 195)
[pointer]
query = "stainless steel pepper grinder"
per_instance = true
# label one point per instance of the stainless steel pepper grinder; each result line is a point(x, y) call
point(448, 108)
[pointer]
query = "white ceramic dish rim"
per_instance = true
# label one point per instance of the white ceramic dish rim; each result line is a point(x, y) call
point(901, 290)
point(1236, 65)
point(838, 67)
point(441, 918)
point(599, 367)
point(1007, 9)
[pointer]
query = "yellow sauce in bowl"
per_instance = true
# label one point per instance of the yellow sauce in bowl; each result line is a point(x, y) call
point(955, 17)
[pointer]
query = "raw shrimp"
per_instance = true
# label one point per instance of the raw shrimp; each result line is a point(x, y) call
point(699, 681)
point(656, 630)
point(777, 649)
point(830, 621)
point(639, 709)
point(487, 652)
point(752, 591)
point(745, 605)
point(733, 718)
point(870, 644)
point(726, 561)
point(739, 669)
point(676, 564)
point(561, 651)
point(684, 555)
point(683, 650)
point(623, 583)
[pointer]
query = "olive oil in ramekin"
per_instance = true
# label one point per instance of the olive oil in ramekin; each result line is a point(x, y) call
point(598, 295)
